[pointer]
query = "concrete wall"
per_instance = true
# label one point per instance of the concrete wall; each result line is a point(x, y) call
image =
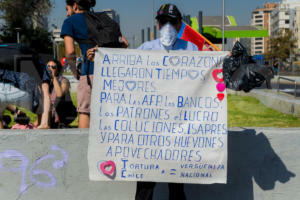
point(263, 164)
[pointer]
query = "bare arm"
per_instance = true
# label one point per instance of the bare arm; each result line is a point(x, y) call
point(61, 90)
point(70, 55)
point(46, 106)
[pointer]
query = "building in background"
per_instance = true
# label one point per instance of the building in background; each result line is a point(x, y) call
point(261, 17)
point(56, 35)
point(297, 30)
point(283, 16)
point(286, 16)
point(212, 30)
point(39, 20)
point(112, 14)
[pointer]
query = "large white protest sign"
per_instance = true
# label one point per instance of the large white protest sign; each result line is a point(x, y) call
point(158, 116)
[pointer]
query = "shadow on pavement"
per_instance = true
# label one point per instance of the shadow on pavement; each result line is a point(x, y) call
point(250, 157)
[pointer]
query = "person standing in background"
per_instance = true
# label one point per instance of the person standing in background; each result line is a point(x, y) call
point(75, 29)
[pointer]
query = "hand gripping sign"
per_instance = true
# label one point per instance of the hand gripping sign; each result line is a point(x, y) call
point(158, 116)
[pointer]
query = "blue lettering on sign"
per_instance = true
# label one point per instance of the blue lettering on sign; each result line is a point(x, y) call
point(125, 125)
point(144, 125)
point(123, 174)
point(203, 166)
point(198, 102)
point(207, 129)
point(192, 61)
point(193, 74)
point(195, 175)
point(164, 60)
point(106, 59)
point(118, 59)
point(152, 73)
point(174, 61)
point(154, 153)
point(121, 85)
point(143, 113)
point(130, 85)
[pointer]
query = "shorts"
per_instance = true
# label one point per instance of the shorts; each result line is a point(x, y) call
point(9, 94)
point(84, 92)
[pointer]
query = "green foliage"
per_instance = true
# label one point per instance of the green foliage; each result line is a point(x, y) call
point(38, 39)
point(25, 14)
point(282, 45)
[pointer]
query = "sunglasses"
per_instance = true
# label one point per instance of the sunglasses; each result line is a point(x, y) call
point(52, 66)
point(165, 20)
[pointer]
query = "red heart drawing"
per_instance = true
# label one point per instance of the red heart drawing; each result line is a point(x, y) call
point(221, 96)
point(107, 164)
point(215, 75)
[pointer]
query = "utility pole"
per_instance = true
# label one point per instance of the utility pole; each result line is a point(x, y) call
point(133, 42)
point(148, 33)
point(143, 36)
point(18, 35)
point(200, 22)
point(152, 13)
point(223, 27)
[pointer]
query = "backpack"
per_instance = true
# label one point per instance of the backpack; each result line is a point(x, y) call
point(102, 30)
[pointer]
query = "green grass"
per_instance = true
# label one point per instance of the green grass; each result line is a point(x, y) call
point(243, 111)
point(249, 112)
point(67, 73)
point(33, 117)
point(74, 99)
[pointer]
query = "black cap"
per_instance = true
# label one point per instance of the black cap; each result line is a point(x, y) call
point(169, 10)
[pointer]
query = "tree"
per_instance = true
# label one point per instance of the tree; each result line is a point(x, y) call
point(22, 14)
point(282, 45)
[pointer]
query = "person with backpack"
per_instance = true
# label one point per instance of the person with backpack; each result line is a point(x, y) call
point(88, 29)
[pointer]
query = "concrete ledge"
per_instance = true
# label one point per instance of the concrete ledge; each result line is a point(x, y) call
point(263, 163)
point(280, 102)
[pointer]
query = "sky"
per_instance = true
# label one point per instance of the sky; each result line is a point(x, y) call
point(137, 14)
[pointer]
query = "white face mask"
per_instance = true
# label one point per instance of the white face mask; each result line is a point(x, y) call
point(168, 35)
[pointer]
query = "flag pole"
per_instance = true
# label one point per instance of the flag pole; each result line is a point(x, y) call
point(209, 42)
point(223, 27)
point(153, 15)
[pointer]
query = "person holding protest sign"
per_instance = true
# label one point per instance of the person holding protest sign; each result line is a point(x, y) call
point(169, 21)
point(81, 26)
